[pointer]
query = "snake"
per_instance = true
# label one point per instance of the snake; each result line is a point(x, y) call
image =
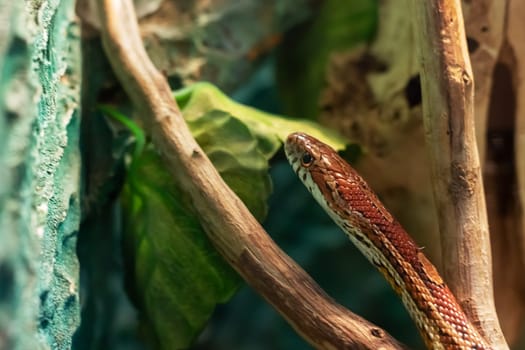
point(357, 210)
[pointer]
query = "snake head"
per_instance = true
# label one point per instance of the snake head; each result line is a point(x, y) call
point(313, 162)
point(301, 150)
point(330, 179)
point(307, 154)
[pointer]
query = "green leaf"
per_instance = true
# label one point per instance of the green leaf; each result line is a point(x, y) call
point(240, 157)
point(177, 276)
point(202, 97)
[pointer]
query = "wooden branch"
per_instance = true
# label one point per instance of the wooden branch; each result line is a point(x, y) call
point(448, 115)
point(234, 231)
point(486, 22)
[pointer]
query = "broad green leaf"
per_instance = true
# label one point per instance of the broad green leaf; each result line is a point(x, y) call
point(177, 276)
point(238, 156)
point(202, 97)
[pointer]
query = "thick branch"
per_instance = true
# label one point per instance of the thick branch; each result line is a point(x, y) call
point(228, 223)
point(448, 113)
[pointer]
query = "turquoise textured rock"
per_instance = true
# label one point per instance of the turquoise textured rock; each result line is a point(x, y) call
point(39, 174)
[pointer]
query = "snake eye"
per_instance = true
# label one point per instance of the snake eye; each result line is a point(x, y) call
point(307, 159)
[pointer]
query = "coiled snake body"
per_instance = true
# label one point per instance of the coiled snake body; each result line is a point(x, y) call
point(350, 202)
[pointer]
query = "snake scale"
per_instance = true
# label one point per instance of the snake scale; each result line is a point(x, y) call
point(350, 202)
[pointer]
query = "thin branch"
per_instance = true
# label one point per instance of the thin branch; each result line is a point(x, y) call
point(234, 231)
point(448, 115)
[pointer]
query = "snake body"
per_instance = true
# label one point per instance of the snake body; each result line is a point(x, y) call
point(351, 203)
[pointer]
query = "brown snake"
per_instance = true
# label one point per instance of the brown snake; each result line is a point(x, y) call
point(347, 198)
